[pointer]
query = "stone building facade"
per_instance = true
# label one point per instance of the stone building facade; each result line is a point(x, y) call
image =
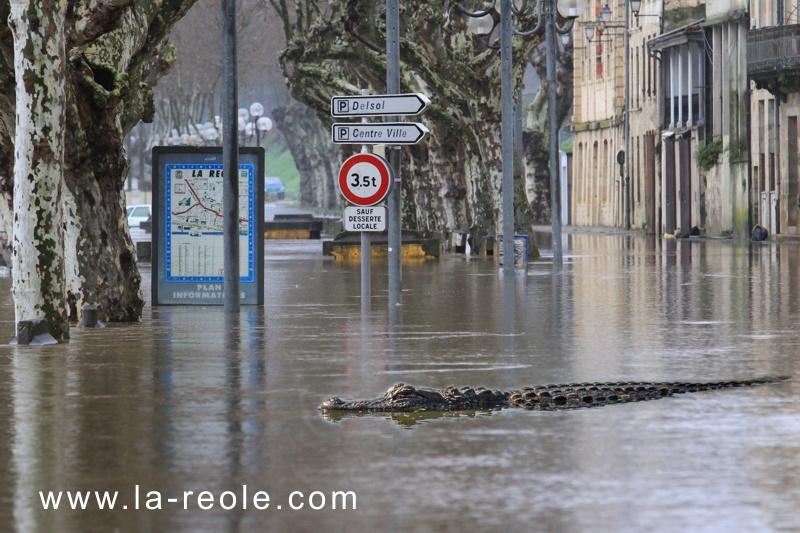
point(605, 192)
point(713, 99)
point(773, 66)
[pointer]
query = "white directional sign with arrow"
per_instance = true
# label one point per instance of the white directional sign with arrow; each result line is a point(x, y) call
point(379, 105)
point(379, 133)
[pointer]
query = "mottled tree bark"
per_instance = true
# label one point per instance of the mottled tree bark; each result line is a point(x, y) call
point(110, 92)
point(536, 141)
point(317, 159)
point(451, 182)
point(37, 237)
point(114, 53)
point(537, 174)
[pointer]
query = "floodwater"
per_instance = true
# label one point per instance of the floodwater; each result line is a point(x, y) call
point(188, 401)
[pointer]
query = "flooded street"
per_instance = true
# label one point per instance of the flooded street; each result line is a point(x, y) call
point(191, 401)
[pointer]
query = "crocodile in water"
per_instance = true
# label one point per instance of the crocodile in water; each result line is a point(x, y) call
point(407, 398)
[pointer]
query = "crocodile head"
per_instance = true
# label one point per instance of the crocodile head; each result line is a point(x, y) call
point(399, 398)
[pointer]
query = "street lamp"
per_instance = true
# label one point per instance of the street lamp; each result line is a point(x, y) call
point(208, 133)
point(605, 14)
point(601, 30)
point(211, 135)
point(589, 31)
point(263, 125)
point(256, 111)
point(572, 9)
point(481, 25)
point(636, 6)
point(252, 122)
point(243, 115)
point(174, 138)
point(547, 9)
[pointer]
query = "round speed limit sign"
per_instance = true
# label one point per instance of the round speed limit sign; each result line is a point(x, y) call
point(364, 179)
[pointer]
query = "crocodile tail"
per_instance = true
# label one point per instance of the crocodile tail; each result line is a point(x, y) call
point(680, 388)
point(578, 395)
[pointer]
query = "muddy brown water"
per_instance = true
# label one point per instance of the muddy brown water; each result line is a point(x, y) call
point(191, 401)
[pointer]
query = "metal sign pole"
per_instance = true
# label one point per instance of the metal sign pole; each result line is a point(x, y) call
point(230, 159)
point(555, 179)
point(507, 137)
point(395, 199)
point(627, 115)
point(366, 253)
point(366, 273)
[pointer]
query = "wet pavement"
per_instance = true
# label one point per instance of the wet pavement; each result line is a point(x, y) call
point(189, 400)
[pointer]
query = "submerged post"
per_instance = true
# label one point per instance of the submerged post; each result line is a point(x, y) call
point(366, 252)
point(366, 273)
point(624, 182)
point(230, 159)
point(552, 117)
point(507, 136)
point(395, 199)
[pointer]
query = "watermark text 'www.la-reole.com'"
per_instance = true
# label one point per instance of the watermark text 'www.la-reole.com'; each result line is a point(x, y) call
point(153, 500)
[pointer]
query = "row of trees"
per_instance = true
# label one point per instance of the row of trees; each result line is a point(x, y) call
point(77, 76)
point(453, 181)
point(190, 95)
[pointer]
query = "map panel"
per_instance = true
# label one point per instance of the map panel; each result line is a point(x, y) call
point(193, 228)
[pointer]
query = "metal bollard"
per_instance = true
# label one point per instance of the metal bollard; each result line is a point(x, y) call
point(90, 317)
point(33, 333)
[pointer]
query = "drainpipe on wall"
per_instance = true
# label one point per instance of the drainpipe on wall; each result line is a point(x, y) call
point(777, 107)
point(751, 221)
point(627, 129)
point(661, 111)
point(777, 146)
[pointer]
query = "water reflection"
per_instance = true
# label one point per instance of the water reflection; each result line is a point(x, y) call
point(190, 400)
point(405, 420)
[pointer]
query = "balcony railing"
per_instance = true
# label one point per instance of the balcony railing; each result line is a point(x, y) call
point(773, 57)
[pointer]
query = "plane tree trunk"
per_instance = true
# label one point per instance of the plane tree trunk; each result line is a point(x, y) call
point(536, 137)
point(112, 53)
point(37, 238)
point(317, 159)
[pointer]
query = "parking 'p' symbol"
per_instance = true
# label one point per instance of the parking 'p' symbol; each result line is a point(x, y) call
point(344, 134)
point(342, 106)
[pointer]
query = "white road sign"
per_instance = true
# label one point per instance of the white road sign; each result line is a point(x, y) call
point(365, 218)
point(379, 105)
point(391, 133)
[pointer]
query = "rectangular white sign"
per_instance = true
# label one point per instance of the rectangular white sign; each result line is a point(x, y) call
point(365, 218)
point(391, 133)
point(379, 105)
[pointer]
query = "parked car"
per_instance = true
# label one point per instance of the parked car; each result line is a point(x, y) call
point(138, 214)
point(274, 185)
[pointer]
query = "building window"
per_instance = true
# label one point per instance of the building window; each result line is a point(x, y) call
point(598, 57)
